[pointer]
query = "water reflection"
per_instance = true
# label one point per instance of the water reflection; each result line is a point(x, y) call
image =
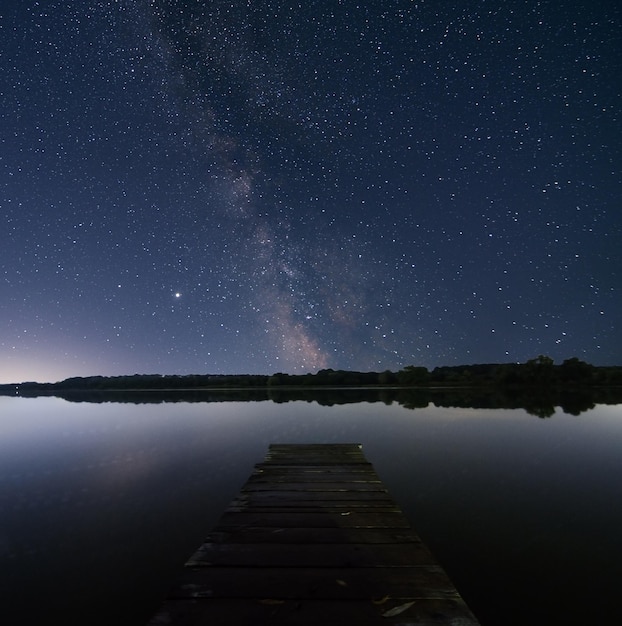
point(540, 402)
point(101, 501)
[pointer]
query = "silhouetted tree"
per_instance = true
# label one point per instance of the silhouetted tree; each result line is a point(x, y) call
point(412, 375)
point(575, 371)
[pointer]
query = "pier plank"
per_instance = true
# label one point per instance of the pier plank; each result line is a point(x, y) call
point(317, 496)
point(351, 583)
point(313, 537)
point(300, 612)
point(311, 555)
point(348, 519)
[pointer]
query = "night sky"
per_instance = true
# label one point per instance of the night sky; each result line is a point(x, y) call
point(259, 186)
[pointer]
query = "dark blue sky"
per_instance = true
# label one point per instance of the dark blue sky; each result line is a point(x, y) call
point(256, 186)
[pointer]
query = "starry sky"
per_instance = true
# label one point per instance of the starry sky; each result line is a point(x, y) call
point(259, 186)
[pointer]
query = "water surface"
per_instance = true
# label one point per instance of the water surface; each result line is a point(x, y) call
point(101, 503)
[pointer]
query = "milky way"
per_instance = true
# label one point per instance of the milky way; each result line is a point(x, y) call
point(255, 187)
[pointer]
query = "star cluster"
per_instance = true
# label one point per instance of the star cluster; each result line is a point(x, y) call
point(255, 186)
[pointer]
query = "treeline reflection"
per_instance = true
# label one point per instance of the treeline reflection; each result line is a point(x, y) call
point(540, 402)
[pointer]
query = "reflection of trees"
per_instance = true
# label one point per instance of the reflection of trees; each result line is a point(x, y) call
point(540, 410)
point(413, 398)
point(158, 397)
point(327, 397)
point(540, 402)
point(578, 401)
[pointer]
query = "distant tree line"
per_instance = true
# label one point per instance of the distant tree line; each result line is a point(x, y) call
point(540, 372)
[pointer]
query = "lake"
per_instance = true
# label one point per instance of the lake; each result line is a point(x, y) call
point(100, 503)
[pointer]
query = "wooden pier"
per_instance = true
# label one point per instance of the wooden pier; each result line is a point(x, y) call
point(313, 538)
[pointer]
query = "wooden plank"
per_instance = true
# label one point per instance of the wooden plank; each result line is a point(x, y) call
point(304, 466)
point(302, 460)
point(311, 555)
point(329, 474)
point(354, 519)
point(315, 486)
point(324, 448)
point(316, 448)
point(304, 612)
point(299, 504)
point(317, 496)
point(334, 447)
point(315, 451)
point(334, 503)
point(426, 581)
point(319, 455)
point(281, 497)
point(313, 537)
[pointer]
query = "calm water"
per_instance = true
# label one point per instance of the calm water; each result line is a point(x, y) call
point(101, 503)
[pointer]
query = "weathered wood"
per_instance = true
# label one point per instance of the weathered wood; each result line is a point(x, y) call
point(311, 555)
point(352, 583)
point(318, 496)
point(301, 612)
point(315, 486)
point(352, 519)
point(302, 478)
point(333, 506)
point(313, 537)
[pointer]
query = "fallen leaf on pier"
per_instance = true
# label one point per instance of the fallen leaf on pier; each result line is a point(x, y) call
point(398, 609)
